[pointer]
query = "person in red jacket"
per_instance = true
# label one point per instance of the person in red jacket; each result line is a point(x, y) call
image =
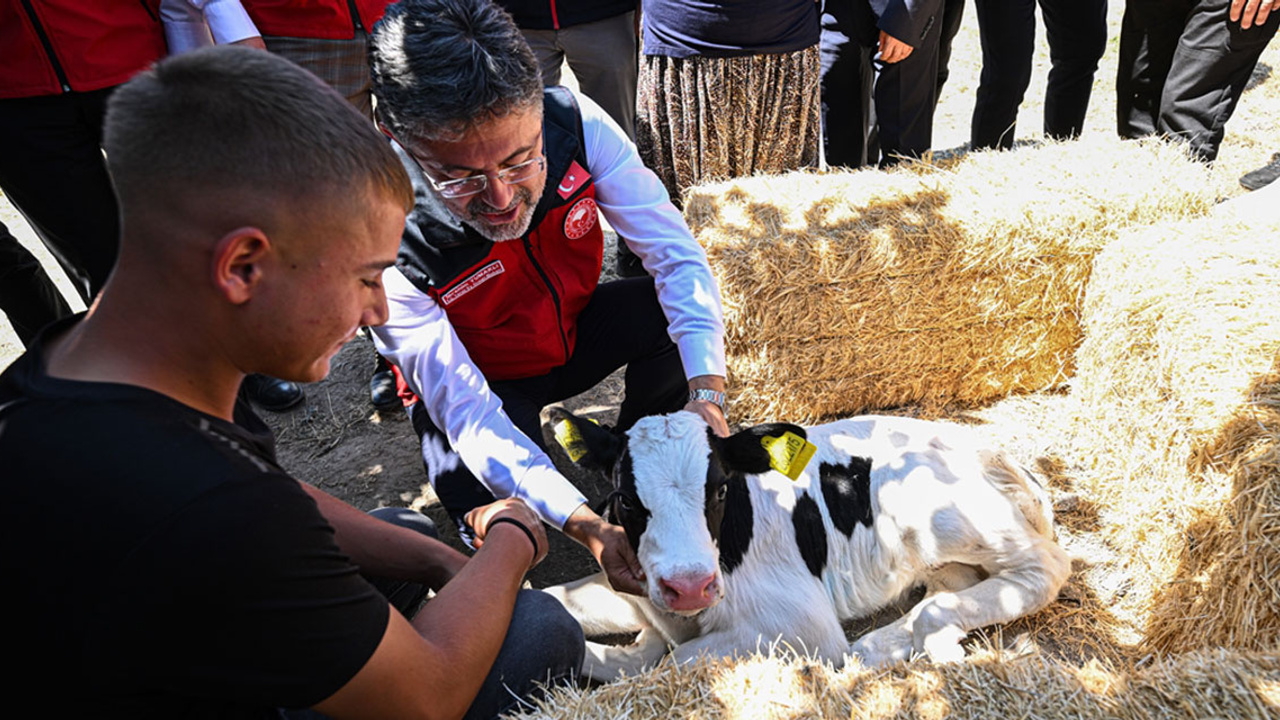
point(330, 38)
point(59, 62)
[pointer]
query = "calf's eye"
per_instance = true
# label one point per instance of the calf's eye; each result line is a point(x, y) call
point(722, 492)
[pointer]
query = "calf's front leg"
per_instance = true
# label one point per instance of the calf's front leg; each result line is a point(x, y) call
point(598, 608)
point(606, 663)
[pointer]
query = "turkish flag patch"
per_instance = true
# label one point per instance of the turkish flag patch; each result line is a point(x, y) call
point(574, 179)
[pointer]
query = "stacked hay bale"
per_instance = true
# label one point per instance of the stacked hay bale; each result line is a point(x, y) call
point(1178, 395)
point(924, 286)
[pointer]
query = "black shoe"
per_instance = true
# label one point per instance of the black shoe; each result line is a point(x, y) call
point(1263, 176)
point(271, 393)
point(625, 262)
point(382, 387)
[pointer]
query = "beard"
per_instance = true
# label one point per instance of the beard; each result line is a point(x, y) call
point(524, 196)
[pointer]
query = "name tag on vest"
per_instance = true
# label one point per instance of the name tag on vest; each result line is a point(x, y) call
point(473, 281)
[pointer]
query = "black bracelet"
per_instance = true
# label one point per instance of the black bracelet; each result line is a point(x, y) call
point(527, 532)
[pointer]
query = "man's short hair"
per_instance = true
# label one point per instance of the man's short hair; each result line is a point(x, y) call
point(233, 119)
point(441, 67)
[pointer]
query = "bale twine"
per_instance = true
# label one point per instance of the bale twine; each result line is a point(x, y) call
point(1213, 684)
point(1178, 388)
point(850, 291)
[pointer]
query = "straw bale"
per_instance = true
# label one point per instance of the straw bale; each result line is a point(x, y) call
point(1212, 684)
point(856, 290)
point(1181, 369)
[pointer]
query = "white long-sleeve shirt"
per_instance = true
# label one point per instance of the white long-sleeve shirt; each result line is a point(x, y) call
point(191, 24)
point(420, 341)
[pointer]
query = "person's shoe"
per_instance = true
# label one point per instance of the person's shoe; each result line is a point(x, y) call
point(1263, 176)
point(271, 393)
point(382, 388)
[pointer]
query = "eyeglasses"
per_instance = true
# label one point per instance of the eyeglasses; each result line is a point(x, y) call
point(476, 184)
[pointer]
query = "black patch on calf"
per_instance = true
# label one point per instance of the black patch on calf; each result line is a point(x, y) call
point(811, 536)
point(736, 525)
point(717, 492)
point(599, 446)
point(846, 489)
point(742, 452)
point(625, 508)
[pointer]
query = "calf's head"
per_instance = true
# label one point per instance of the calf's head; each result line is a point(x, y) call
point(679, 493)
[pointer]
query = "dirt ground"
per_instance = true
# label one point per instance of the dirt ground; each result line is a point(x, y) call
point(337, 441)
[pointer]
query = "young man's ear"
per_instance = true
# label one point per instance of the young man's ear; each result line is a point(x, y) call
point(237, 263)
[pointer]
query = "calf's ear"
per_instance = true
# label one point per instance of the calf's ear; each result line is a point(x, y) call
point(587, 444)
point(744, 451)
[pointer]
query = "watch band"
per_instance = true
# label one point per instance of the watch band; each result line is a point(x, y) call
point(712, 396)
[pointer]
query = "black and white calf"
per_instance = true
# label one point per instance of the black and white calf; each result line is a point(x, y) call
point(738, 555)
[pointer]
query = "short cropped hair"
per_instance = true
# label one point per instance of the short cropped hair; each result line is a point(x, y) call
point(246, 121)
point(442, 67)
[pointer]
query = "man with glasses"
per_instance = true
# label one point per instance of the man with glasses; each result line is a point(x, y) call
point(495, 306)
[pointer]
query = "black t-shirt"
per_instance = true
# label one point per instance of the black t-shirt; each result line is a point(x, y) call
point(158, 563)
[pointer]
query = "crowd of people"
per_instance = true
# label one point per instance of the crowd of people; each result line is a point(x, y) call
point(238, 187)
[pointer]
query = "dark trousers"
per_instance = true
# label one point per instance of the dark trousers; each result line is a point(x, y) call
point(952, 18)
point(1183, 67)
point(623, 324)
point(27, 295)
point(1077, 33)
point(52, 169)
point(873, 112)
point(544, 646)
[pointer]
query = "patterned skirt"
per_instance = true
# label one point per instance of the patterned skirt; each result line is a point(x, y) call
point(700, 119)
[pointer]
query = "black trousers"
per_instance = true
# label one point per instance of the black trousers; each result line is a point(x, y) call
point(623, 324)
point(1183, 67)
point(952, 19)
point(873, 112)
point(53, 171)
point(1077, 33)
point(27, 295)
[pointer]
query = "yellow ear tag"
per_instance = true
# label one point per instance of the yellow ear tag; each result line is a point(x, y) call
point(788, 454)
point(571, 440)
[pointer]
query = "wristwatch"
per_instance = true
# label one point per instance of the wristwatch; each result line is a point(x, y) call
point(712, 396)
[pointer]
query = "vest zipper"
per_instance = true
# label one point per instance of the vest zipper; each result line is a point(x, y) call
point(48, 46)
point(555, 297)
point(555, 20)
point(356, 26)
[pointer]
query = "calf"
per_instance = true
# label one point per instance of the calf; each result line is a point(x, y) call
point(736, 553)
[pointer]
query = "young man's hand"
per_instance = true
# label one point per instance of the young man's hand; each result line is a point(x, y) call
point(483, 521)
point(892, 49)
point(609, 544)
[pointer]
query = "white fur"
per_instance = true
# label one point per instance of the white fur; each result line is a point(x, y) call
point(943, 506)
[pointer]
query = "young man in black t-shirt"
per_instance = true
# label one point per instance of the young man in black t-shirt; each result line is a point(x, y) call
point(159, 562)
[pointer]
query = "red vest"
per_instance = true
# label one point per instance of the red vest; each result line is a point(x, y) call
point(516, 311)
point(49, 47)
point(321, 19)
